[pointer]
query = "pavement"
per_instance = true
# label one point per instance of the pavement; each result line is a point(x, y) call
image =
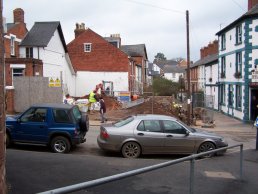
point(235, 132)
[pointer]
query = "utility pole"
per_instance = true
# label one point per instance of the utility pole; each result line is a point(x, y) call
point(2, 106)
point(188, 69)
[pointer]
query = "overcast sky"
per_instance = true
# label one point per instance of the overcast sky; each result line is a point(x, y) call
point(160, 25)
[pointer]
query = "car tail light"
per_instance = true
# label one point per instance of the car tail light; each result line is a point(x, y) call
point(104, 134)
point(76, 131)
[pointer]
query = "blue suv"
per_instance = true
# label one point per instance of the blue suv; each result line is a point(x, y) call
point(59, 126)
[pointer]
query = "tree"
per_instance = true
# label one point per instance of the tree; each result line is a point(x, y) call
point(160, 56)
point(164, 87)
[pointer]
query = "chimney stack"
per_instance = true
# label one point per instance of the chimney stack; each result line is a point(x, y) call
point(18, 16)
point(252, 3)
point(80, 28)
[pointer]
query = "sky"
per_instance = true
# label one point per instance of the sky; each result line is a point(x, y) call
point(160, 25)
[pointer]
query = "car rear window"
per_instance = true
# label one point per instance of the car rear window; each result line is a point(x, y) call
point(124, 121)
point(61, 116)
point(77, 113)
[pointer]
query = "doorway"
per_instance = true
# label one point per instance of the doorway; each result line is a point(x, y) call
point(254, 104)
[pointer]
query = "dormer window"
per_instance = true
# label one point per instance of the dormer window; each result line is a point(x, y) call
point(12, 45)
point(87, 47)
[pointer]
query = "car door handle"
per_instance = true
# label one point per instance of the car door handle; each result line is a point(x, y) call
point(141, 134)
point(169, 135)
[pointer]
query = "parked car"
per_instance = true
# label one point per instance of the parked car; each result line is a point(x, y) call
point(59, 126)
point(155, 134)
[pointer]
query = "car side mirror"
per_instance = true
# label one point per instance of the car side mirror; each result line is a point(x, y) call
point(187, 133)
point(18, 120)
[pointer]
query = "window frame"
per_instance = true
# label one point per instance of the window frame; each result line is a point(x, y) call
point(238, 97)
point(223, 66)
point(143, 121)
point(223, 42)
point(29, 52)
point(238, 34)
point(12, 45)
point(230, 95)
point(239, 62)
point(87, 47)
point(222, 94)
point(174, 131)
point(31, 114)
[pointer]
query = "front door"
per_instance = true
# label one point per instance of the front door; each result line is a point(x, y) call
point(254, 104)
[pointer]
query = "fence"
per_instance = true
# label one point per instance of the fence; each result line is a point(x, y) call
point(32, 90)
point(202, 107)
point(93, 183)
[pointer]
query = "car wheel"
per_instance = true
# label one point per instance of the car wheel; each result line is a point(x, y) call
point(84, 123)
point(7, 140)
point(131, 150)
point(206, 146)
point(60, 144)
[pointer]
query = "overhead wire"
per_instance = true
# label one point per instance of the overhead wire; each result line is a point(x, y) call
point(155, 6)
point(238, 5)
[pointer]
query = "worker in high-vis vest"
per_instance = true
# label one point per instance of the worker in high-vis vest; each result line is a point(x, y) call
point(92, 100)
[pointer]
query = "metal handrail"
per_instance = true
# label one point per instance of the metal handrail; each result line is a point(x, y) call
point(100, 181)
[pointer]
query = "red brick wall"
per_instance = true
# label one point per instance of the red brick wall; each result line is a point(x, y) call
point(212, 48)
point(252, 3)
point(103, 55)
point(10, 101)
point(19, 30)
point(32, 66)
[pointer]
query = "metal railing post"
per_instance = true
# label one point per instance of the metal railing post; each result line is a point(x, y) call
point(241, 162)
point(192, 176)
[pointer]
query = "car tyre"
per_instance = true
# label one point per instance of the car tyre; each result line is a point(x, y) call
point(60, 144)
point(206, 146)
point(131, 150)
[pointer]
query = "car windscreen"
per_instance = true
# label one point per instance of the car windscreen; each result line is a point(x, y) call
point(124, 121)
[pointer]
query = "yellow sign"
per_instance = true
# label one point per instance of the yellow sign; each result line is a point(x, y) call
point(54, 82)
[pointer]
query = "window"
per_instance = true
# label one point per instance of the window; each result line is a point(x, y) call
point(238, 97)
point(18, 72)
point(124, 121)
point(238, 64)
point(61, 116)
point(149, 126)
point(223, 67)
point(239, 34)
point(173, 127)
point(87, 47)
point(35, 115)
point(230, 95)
point(222, 93)
point(12, 45)
point(223, 42)
point(29, 52)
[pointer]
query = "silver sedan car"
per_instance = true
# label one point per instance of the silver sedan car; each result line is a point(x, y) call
point(155, 134)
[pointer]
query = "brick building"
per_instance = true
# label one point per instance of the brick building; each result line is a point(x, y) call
point(15, 64)
point(97, 59)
